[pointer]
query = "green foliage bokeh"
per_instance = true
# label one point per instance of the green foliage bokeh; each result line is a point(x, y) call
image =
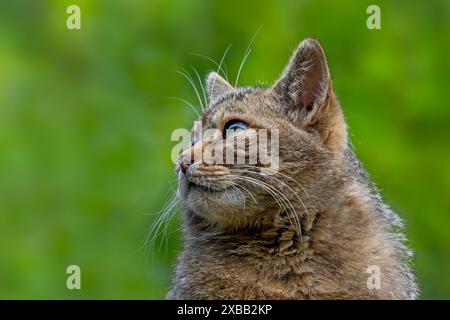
point(85, 125)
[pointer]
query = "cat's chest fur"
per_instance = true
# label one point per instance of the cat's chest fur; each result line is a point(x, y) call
point(330, 261)
point(216, 276)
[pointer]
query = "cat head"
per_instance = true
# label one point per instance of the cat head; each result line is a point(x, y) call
point(302, 110)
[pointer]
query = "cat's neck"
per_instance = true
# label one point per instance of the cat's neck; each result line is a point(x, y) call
point(281, 234)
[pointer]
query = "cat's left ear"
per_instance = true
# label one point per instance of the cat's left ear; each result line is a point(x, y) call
point(216, 86)
point(307, 96)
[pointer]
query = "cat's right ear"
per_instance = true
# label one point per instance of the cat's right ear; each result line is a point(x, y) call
point(305, 83)
point(307, 97)
point(216, 86)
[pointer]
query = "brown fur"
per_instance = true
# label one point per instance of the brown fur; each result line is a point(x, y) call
point(238, 249)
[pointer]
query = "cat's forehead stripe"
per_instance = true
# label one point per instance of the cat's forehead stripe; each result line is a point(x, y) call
point(227, 101)
point(235, 96)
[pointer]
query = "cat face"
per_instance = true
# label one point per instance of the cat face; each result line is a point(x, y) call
point(300, 112)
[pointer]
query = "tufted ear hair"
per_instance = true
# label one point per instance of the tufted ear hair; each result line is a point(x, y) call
point(305, 82)
point(216, 86)
point(306, 93)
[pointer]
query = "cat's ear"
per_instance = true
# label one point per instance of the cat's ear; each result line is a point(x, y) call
point(216, 86)
point(305, 91)
point(305, 82)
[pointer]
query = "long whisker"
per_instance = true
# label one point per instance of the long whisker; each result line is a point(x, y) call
point(276, 172)
point(201, 85)
point(258, 184)
point(248, 179)
point(283, 183)
point(290, 206)
point(279, 182)
point(246, 54)
point(250, 194)
point(219, 67)
point(278, 195)
point(288, 177)
point(235, 187)
point(159, 214)
point(297, 221)
point(186, 102)
point(167, 224)
point(186, 75)
point(244, 59)
point(239, 186)
point(163, 217)
point(167, 221)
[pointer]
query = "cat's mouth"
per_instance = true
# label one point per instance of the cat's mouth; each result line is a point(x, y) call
point(206, 182)
point(207, 187)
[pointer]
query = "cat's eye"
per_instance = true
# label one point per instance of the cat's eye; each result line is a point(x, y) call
point(232, 127)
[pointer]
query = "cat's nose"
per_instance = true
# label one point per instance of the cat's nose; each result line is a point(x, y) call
point(184, 167)
point(184, 163)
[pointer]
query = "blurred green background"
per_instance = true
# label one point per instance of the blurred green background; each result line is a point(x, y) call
point(85, 126)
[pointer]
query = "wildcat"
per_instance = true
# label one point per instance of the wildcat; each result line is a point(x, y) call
point(311, 229)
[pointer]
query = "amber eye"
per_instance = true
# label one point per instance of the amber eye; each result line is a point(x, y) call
point(232, 127)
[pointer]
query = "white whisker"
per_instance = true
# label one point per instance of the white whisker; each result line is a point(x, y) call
point(246, 54)
point(201, 85)
point(186, 75)
point(219, 67)
point(279, 197)
point(186, 102)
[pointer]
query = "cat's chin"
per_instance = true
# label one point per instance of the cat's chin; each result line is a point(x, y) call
point(213, 204)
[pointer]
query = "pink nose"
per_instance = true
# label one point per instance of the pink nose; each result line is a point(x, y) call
point(184, 163)
point(183, 166)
